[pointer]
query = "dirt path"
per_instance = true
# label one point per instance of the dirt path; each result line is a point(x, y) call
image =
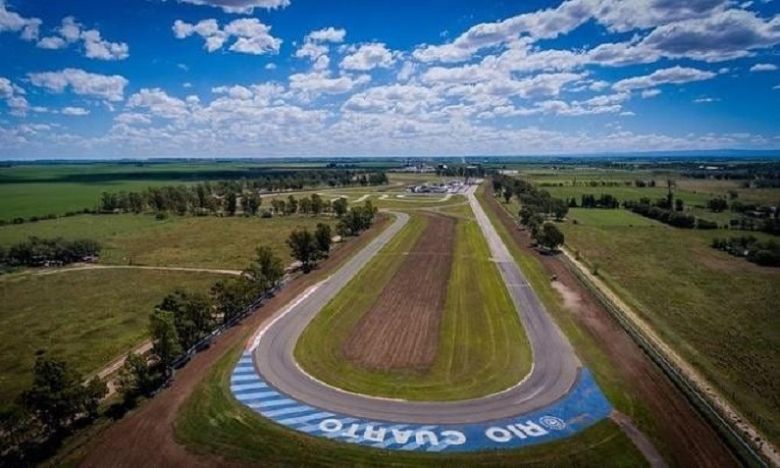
point(136, 267)
point(401, 330)
point(639, 439)
point(690, 373)
point(145, 437)
point(686, 437)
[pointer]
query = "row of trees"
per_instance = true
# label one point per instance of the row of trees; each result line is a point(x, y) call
point(224, 197)
point(36, 251)
point(605, 200)
point(536, 206)
point(664, 215)
point(57, 400)
point(762, 253)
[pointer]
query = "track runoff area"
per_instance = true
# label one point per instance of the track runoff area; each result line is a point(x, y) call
point(556, 400)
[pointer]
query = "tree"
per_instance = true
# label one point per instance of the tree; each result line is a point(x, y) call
point(305, 205)
point(231, 204)
point(304, 247)
point(192, 315)
point(292, 205)
point(324, 238)
point(340, 206)
point(94, 391)
point(57, 396)
point(560, 208)
point(231, 297)
point(136, 378)
point(550, 236)
point(317, 205)
point(507, 195)
point(165, 339)
point(679, 204)
point(252, 203)
point(269, 264)
point(717, 205)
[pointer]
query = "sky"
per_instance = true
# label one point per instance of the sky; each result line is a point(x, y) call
point(268, 78)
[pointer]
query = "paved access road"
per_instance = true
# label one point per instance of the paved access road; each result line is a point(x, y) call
point(554, 373)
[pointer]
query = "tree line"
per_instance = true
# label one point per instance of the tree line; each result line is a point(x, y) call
point(36, 252)
point(227, 197)
point(761, 253)
point(536, 206)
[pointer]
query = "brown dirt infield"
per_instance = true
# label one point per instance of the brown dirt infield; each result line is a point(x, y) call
point(401, 329)
point(685, 436)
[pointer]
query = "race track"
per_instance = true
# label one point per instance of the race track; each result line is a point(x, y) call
point(558, 393)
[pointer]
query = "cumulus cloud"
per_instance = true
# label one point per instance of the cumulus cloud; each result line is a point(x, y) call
point(367, 57)
point(316, 83)
point(648, 93)
point(329, 34)
point(13, 95)
point(28, 28)
point(95, 47)
point(251, 36)
point(74, 111)
point(763, 67)
point(241, 6)
point(108, 87)
point(673, 75)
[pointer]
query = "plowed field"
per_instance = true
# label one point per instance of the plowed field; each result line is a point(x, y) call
point(401, 330)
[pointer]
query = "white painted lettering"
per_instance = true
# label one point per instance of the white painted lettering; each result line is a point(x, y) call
point(330, 425)
point(498, 434)
point(374, 435)
point(401, 437)
point(352, 431)
point(453, 437)
point(532, 429)
point(516, 431)
point(420, 436)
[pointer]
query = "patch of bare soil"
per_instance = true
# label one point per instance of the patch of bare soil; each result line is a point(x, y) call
point(687, 438)
point(146, 436)
point(401, 330)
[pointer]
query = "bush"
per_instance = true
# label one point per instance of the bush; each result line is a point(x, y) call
point(705, 224)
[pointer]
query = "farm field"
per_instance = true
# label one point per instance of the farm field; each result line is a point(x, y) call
point(482, 348)
point(719, 311)
point(84, 317)
point(202, 242)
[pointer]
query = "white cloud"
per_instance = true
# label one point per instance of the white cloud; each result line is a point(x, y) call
point(13, 95)
point(329, 34)
point(108, 87)
point(705, 100)
point(251, 36)
point(52, 42)
point(241, 6)
point(74, 111)
point(95, 47)
point(158, 103)
point(762, 67)
point(132, 118)
point(648, 93)
point(316, 83)
point(10, 21)
point(270, 66)
point(673, 75)
point(367, 57)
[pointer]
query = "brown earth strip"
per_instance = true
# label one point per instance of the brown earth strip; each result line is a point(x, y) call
point(401, 330)
point(145, 437)
point(686, 437)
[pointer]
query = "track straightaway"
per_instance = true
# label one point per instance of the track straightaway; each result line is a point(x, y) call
point(554, 373)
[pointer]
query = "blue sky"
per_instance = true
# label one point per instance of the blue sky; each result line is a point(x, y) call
point(258, 78)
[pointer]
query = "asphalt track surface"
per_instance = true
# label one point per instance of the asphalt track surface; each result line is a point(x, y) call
point(554, 372)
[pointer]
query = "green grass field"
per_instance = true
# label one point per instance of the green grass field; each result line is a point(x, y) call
point(205, 242)
point(84, 317)
point(718, 311)
point(213, 422)
point(482, 348)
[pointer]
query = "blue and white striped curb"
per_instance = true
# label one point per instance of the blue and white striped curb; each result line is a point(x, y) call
point(581, 408)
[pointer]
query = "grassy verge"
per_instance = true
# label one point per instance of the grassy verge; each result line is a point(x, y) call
point(84, 317)
point(482, 348)
point(213, 422)
point(718, 311)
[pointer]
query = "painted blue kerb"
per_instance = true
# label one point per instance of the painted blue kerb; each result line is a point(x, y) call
point(581, 408)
